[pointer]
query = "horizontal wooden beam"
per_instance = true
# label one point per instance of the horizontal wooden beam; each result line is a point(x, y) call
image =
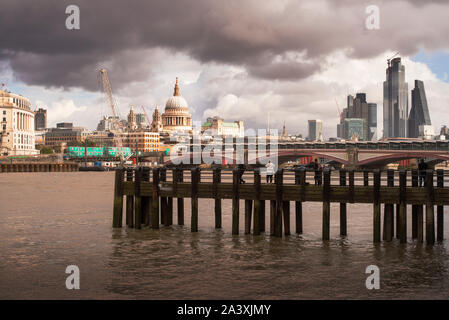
point(312, 193)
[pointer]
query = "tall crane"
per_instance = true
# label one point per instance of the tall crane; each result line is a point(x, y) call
point(391, 58)
point(340, 114)
point(106, 87)
point(146, 116)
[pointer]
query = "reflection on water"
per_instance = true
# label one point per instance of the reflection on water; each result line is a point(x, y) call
point(51, 220)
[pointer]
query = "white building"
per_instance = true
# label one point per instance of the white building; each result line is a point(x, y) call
point(16, 125)
point(217, 126)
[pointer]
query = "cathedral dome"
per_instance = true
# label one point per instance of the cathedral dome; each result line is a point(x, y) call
point(176, 116)
point(177, 101)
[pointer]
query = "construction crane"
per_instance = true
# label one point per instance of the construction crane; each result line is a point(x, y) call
point(391, 58)
point(340, 114)
point(106, 88)
point(146, 116)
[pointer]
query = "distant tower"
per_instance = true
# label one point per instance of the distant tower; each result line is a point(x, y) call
point(315, 130)
point(284, 131)
point(40, 119)
point(156, 124)
point(395, 101)
point(419, 113)
point(132, 120)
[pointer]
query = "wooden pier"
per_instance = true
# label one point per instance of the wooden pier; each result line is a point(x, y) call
point(38, 167)
point(149, 197)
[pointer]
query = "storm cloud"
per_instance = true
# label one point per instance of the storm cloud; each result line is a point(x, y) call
point(274, 40)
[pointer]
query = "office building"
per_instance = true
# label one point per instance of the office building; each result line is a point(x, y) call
point(217, 126)
point(143, 141)
point(355, 129)
point(395, 108)
point(419, 113)
point(40, 119)
point(16, 125)
point(65, 133)
point(359, 108)
point(315, 130)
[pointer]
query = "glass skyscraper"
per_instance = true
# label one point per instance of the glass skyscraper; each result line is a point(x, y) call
point(395, 113)
point(419, 113)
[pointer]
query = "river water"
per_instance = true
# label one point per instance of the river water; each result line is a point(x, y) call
point(51, 220)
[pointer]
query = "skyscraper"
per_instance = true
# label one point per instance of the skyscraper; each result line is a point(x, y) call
point(40, 119)
point(419, 113)
point(395, 101)
point(315, 130)
point(358, 108)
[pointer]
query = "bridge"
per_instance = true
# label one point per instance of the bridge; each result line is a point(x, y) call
point(349, 154)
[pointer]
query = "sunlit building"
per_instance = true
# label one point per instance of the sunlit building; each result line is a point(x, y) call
point(16, 125)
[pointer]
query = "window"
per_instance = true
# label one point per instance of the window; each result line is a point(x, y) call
point(4, 111)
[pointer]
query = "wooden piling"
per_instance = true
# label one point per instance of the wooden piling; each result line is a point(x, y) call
point(137, 198)
point(440, 209)
point(415, 207)
point(402, 212)
point(164, 204)
point(248, 214)
point(169, 214)
point(155, 200)
point(195, 172)
point(351, 186)
point(430, 223)
point(235, 201)
point(129, 200)
point(343, 215)
point(278, 213)
point(376, 207)
point(300, 180)
point(146, 201)
point(180, 207)
point(216, 180)
point(118, 199)
point(326, 205)
point(262, 216)
point(286, 216)
point(256, 223)
point(389, 211)
point(272, 216)
point(365, 178)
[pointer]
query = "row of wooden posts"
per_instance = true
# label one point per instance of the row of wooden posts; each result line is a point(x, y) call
point(151, 203)
point(38, 167)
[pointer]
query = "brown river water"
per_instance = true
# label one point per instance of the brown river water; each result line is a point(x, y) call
point(51, 220)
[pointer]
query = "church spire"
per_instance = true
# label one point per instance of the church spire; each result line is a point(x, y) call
point(176, 93)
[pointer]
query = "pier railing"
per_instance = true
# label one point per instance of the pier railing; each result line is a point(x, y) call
point(149, 195)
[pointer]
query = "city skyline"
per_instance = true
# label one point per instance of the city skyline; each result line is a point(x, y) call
point(293, 78)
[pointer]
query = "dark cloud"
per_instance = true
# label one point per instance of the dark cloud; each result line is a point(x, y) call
point(252, 34)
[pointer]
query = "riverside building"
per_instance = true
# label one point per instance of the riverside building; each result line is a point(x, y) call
point(16, 125)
